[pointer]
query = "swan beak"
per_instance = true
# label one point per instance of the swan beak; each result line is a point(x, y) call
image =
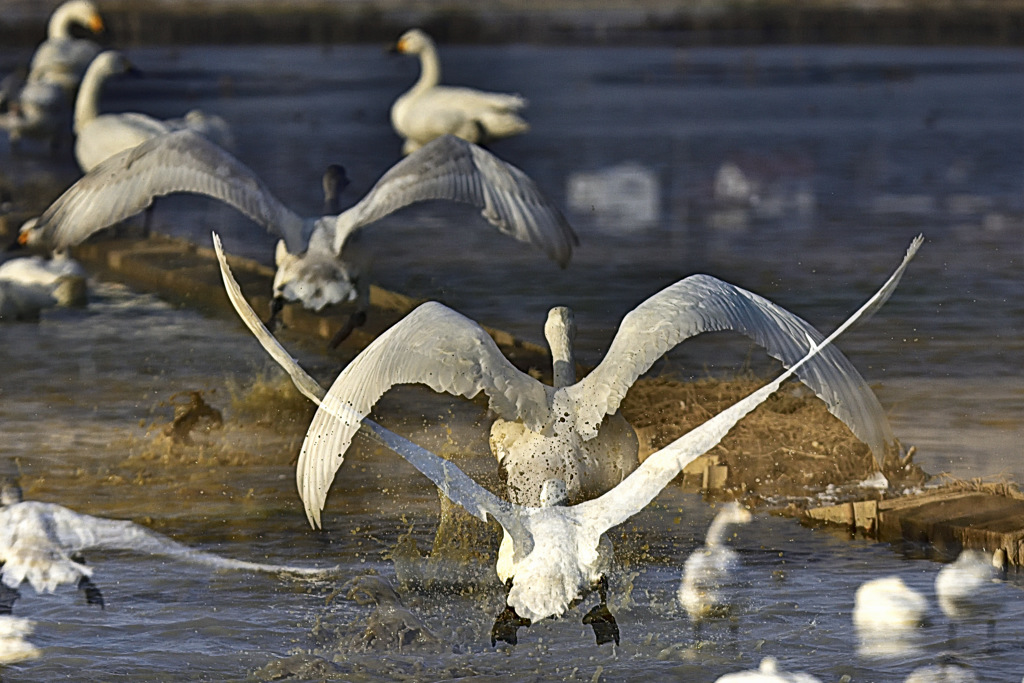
point(96, 24)
point(276, 304)
point(398, 48)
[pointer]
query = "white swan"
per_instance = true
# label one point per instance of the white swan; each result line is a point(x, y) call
point(964, 587)
point(20, 302)
point(42, 543)
point(59, 275)
point(886, 615)
point(100, 136)
point(450, 353)
point(39, 113)
point(322, 260)
point(62, 59)
point(429, 110)
point(950, 672)
point(558, 552)
point(13, 644)
point(707, 569)
point(768, 672)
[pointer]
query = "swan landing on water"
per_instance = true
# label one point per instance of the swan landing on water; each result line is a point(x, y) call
point(558, 551)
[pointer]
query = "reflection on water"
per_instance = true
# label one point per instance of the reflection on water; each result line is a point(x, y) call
point(834, 159)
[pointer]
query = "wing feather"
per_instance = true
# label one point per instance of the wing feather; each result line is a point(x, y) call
point(453, 169)
point(182, 161)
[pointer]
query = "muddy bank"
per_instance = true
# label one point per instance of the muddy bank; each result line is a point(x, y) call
point(603, 23)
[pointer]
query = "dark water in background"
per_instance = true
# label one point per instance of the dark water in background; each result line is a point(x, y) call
point(850, 153)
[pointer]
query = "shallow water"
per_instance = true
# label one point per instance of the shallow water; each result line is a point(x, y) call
point(854, 152)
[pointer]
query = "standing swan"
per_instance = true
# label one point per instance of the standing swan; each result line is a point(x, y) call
point(320, 260)
point(450, 353)
point(708, 568)
point(62, 59)
point(429, 110)
point(558, 552)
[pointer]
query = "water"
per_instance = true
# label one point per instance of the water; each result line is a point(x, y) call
point(852, 152)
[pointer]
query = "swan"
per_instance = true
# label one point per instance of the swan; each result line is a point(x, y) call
point(13, 645)
point(964, 586)
point(768, 672)
point(42, 543)
point(448, 352)
point(60, 275)
point(708, 568)
point(558, 552)
point(39, 112)
point(20, 302)
point(429, 110)
point(62, 59)
point(321, 260)
point(948, 672)
point(101, 136)
point(886, 616)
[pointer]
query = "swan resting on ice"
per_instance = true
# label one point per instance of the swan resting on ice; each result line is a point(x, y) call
point(429, 110)
point(557, 553)
point(42, 543)
point(707, 569)
point(321, 260)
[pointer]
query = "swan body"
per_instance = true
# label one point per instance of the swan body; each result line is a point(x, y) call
point(709, 567)
point(768, 672)
point(13, 644)
point(62, 59)
point(964, 587)
point(942, 673)
point(20, 302)
point(886, 616)
point(429, 110)
point(184, 161)
point(450, 353)
point(556, 549)
point(101, 136)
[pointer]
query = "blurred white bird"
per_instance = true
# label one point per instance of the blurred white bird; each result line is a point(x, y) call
point(708, 568)
point(429, 110)
point(886, 615)
point(100, 136)
point(63, 278)
point(321, 261)
point(558, 552)
point(768, 672)
point(13, 644)
point(62, 59)
point(545, 431)
point(948, 672)
point(42, 543)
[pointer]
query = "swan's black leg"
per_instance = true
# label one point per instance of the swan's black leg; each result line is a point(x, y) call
point(93, 596)
point(601, 619)
point(355, 320)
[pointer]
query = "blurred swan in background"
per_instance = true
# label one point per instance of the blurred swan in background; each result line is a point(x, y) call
point(768, 672)
point(42, 543)
point(708, 568)
point(13, 644)
point(558, 552)
point(100, 136)
point(429, 110)
point(887, 615)
point(59, 275)
point(965, 588)
point(949, 672)
point(543, 431)
point(321, 259)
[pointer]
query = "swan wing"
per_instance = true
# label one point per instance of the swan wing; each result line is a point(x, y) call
point(641, 487)
point(181, 161)
point(701, 303)
point(453, 169)
point(435, 346)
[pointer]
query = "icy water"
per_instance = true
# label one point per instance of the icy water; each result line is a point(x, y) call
point(836, 157)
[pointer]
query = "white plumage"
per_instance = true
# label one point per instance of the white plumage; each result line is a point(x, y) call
point(708, 568)
point(886, 616)
point(429, 110)
point(557, 551)
point(768, 672)
point(965, 587)
point(14, 647)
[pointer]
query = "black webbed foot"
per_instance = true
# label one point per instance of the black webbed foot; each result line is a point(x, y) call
point(603, 622)
point(505, 627)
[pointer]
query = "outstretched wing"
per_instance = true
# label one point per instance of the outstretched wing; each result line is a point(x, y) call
point(460, 488)
point(182, 161)
point(701, 303)
point(640, 487)
point(435, 346)
point(453, 169)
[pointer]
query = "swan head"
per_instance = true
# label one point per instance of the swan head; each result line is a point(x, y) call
point(553, 492)
point(112, 63)
point(30, 234)
point(82, 12)
point(335, 180)
point(413, 42)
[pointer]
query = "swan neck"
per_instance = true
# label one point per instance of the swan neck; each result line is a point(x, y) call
point(87, 104)
point(430, 68)
point(563, 363)
point(60, 23)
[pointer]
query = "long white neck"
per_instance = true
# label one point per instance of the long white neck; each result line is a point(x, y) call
point(60, 23)
point(560, 331)
point(87, 104)
point(720, 525)
point(430, 68)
